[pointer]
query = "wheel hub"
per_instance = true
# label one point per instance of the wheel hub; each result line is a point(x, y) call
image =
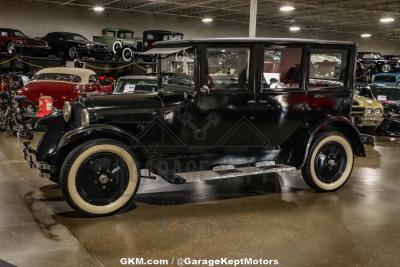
point(103, 179)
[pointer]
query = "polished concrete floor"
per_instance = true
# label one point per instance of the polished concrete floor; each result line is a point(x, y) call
point(274, 217)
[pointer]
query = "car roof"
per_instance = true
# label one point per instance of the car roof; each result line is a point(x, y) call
point(117, 29)
point(142, 77)
point(253, 40)
point(82, 73)
point(162, 31)
point(8, 29)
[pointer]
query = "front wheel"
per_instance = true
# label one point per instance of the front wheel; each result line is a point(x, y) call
point(10, 48)
point(329, 162)
point(100, 177)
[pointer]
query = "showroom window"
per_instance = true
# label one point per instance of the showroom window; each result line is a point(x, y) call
point(282, 68)
point(328, 68)
point(228, 69)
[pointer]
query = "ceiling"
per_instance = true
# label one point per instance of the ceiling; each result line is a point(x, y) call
point(343, 17)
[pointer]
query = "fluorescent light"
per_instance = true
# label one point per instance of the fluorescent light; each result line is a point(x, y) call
point(98, 8)
point(287, 8)
point(366, 35)
point(207, 20)
point(387, 20)
point(294, 28)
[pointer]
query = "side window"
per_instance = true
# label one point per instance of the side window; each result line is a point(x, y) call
point(228, 69)
point(282, 68)
point(328, 68)
point(92, 79)
point(110, 34)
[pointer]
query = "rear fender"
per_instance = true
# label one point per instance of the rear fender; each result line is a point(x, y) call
point(295, 152)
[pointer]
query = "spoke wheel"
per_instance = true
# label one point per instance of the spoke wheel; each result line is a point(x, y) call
point(100, 177)
point(329, 162)
point(73, 53)
point(127, 54)
point(10, 48)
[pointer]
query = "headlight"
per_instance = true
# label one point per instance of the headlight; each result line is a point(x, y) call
point(368, 110)
point(378, 111)
point(67, 111)
point(85, 117)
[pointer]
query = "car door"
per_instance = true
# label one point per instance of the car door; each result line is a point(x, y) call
point(226, 99)
point(282, 98)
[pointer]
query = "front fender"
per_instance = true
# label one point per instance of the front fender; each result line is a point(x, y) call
point(97, 131)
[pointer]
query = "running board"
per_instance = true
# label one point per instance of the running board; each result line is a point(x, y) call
point(190, 177)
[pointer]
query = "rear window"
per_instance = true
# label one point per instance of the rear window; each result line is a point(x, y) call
point(59, 77)
point(385, 79)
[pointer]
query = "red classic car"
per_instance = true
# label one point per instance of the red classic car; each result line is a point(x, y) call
point(63, 84)
point(12, 41)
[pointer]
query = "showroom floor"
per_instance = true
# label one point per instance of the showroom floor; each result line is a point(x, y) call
point(269, 217)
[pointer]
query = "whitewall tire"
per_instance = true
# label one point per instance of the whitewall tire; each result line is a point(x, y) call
point(100, 177)
point(127, 54)
point(329, 163)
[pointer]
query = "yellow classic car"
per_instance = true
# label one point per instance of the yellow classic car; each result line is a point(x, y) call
point(367, 114)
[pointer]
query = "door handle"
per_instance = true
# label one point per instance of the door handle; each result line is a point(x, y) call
point(251, 101)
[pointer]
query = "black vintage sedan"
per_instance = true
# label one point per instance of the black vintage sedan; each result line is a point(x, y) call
point(224, 108)
point(73, 45)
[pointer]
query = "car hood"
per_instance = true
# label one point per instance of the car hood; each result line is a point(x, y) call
point(367, 102)
point(120, 106)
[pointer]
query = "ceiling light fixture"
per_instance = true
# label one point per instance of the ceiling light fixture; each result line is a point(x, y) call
point(207, 20)
point(287, 8)
point(387, 20)
point(98, 8)
point(366, 35)
point(294, 28)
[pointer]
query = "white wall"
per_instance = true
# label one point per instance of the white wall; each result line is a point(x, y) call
point(38, 19)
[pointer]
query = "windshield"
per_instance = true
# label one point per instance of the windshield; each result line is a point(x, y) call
point(126, 86)
point(178, 70)
point(125, 35)
point(385, 79)
point(370, 56)
point(19, 34)
point(74, 37)
point(386, 93)
point(58, 77)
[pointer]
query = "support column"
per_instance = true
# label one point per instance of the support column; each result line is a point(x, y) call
point(253, 18)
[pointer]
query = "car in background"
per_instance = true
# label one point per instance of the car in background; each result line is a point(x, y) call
point(366, 112)
point(379, 63)
point(387, 78)
point(70, 45)
point(63, 84)
point(389, 97)
point(136, 85)
point(14, 41)
point(117, 39)
point(129, 52)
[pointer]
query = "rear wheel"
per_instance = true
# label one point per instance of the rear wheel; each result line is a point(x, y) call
point(386, 68)
point(329, 163)
point(100, 177)
point(127, 54)
point(73, 53)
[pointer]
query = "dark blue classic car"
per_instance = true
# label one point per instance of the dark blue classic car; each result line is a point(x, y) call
point(223, 108)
